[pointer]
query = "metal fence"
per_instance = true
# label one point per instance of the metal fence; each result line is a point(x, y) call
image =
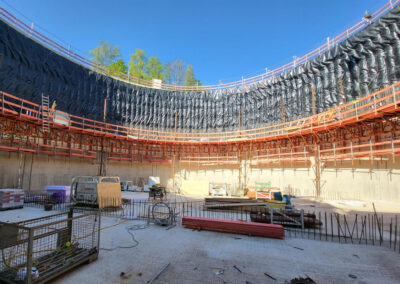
point(358, 228)
point(40, 249)
point(367, 228)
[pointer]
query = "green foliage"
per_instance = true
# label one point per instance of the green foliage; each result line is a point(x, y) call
point(142, 67)
point(117, 67)
point(137, 64)
point(154, 68)
point(189, 78)
point(104, 54)
point(145, 68)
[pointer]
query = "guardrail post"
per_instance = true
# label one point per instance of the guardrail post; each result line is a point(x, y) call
point(31, 29)
point(351, 151)
point(334, 152)
point(279, 156)
point(29, 256)
point(291, 155)
point(393, 154)
point(394, 97)
point(375, 103)
point(355, 106)
point(370, 151)
point(20, 109)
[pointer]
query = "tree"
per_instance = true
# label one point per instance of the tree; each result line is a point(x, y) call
point(142, 67)
point(104, 54)
point(154, 68)
point(117, 67)
point(174, 72)
point(137, 64)
point(189, 78)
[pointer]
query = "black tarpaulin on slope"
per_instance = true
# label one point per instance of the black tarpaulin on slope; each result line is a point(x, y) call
point(362, 64)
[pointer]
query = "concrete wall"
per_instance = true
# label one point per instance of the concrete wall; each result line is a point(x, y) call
point(358, 181)
point(15, 170)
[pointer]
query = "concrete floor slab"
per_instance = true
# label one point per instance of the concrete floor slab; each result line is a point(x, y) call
point(197, 257)
point(210, 257)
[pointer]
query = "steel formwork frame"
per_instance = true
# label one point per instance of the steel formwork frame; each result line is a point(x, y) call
point(375, 105)
point(369, 139)
point(367, 128)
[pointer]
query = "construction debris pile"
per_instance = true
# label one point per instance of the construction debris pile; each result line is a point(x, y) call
point(264, 211)
point(244, 204)
point(286, 218)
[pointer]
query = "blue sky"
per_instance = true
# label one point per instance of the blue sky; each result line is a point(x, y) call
point(223, 40)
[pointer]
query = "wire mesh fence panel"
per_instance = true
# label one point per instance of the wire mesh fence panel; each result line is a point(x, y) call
point(14, 248)
point(40, 249)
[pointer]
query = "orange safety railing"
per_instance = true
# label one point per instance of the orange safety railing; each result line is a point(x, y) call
point(365, 150)
point(373, 105)
point(67, 52)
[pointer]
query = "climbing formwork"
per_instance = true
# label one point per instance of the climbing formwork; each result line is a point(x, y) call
point(349, 122)
point(365, 128)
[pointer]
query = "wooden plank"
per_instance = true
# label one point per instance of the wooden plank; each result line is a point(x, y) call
point(217, 205)
point(229, 200)
point(237, 227)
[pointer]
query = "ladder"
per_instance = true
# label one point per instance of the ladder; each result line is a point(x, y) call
point(45, 114)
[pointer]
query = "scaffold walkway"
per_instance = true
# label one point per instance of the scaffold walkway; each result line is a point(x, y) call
point(362, 129)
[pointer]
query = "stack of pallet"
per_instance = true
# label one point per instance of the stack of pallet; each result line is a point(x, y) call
point(11, 199)
point(244, 204)
point(262, 190)
point(236, 227)
point(285, 218)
